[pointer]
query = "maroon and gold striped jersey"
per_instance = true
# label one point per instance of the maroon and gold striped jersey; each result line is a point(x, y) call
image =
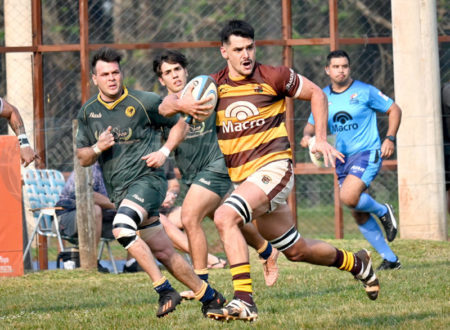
point(251, 115)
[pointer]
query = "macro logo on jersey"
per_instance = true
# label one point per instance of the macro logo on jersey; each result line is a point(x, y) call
point(130, 111)
point(241, 110)
point(342, 121)
point(250, 118)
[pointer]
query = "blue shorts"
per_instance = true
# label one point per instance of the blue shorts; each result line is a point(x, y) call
point(364, 165)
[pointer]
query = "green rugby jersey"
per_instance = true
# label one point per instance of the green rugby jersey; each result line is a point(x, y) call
point(200, 150)
point(136, 126)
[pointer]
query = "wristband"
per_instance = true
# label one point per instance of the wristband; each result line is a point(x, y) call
point(391, 138)
point(96, 149)
point(165, 151)
point(23, 141)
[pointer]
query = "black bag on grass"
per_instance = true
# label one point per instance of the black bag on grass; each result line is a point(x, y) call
point(70, 259)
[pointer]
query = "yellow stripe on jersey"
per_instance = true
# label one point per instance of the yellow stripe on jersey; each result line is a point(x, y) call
point(249, 142)
point(245, 90)
point(240, 173)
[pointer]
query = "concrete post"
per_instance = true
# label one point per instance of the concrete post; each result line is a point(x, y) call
point(419, 148)
point(19, 81)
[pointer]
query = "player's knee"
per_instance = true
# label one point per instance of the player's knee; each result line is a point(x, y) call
point(349, 200)
point(234, 210)
point(163, 254)
point(190, 220)
point(360, 217)
point(225, 218)
point(296, 253)
point(125, 225)
point(291, 244)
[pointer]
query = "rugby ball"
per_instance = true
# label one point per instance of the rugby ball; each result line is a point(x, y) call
point(204, 87)
point(317, 157)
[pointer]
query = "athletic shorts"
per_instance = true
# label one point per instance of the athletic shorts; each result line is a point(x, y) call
point(364, 165)
point(276, 179)
point(147, 191)
point(218, 183)
point(68, 223)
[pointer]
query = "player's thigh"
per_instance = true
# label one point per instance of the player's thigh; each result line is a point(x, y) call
point(262, 192)
point(147, 193)
point(351, 189)
point(199, 202)
point(205, 194)
point(275, 224)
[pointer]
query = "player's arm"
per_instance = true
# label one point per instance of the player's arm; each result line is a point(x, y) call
point(173, 189)
point(10, 112)
point(172, 105)
point(395, 116)
point(308, 133)
point(176, 136)
point(89, 155)
point(103, 201)
point(319, 108)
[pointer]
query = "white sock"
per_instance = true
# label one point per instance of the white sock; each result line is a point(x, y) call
point(130, 262)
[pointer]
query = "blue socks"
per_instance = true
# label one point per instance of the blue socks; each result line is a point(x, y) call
point(265, 254)
point(373, 234)
point(209, 294)
point(367, 204)
point(163, 287)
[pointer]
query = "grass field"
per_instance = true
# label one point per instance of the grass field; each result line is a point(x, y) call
point(305, 296)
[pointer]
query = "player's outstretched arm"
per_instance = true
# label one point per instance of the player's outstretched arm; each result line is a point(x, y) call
point(10, 112)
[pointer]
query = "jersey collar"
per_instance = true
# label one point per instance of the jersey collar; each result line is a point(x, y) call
point(111, 106)
point(334, 92)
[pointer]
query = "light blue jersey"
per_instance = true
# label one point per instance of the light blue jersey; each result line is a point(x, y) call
point(352, 117)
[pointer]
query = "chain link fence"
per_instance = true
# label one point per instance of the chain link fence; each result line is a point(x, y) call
point(127, 22)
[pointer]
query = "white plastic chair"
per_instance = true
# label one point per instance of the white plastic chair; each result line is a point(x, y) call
point(41, 190)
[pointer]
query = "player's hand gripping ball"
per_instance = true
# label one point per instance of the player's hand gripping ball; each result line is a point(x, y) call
point(317, 157)
point(204, 87)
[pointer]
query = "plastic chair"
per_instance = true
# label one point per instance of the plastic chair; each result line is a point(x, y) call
point(41, 190)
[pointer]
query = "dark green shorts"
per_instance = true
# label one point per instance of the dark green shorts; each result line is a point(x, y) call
point(147, 191)
point(218, 183)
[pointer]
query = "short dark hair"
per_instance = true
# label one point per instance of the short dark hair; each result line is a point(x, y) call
point(169, 56)
point(105, 54)
point(337, 53)
point(238, 28)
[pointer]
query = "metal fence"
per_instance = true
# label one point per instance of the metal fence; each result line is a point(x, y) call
point(296, 33)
